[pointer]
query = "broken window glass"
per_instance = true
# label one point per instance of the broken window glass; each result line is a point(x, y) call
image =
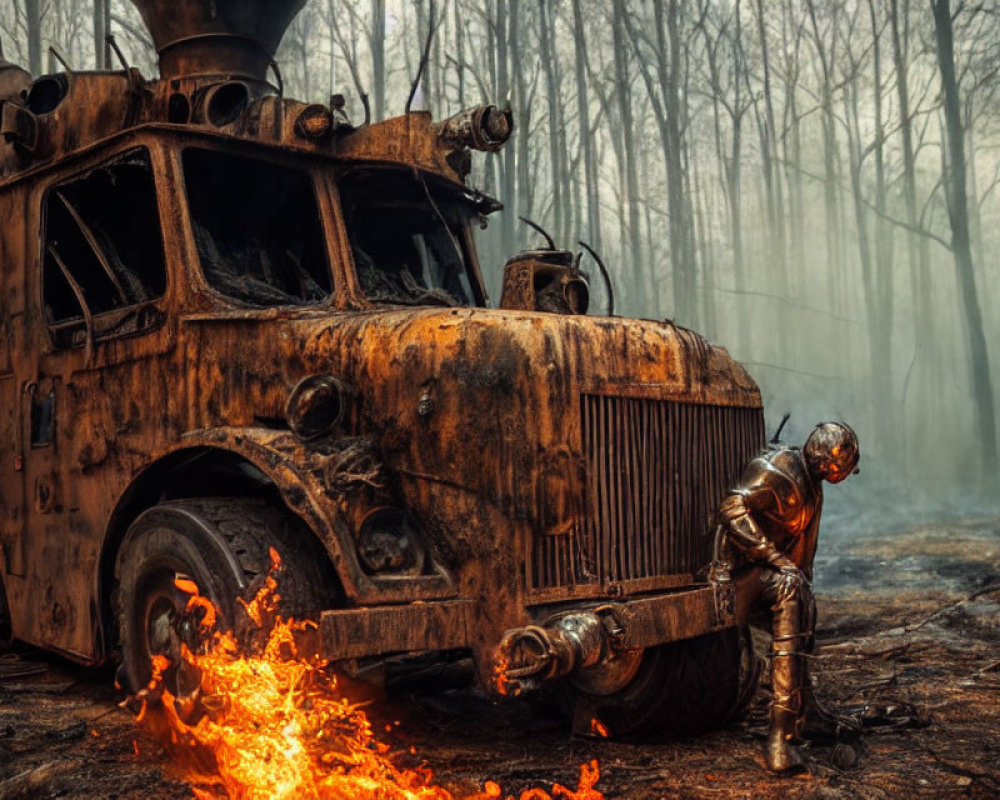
point(406, 238)
point(103, 251)
point(257, 228)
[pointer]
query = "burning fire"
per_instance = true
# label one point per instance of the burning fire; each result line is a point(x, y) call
point(503, 685)
point(272, 725)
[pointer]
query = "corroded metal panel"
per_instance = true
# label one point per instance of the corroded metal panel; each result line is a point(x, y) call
point(354, 633)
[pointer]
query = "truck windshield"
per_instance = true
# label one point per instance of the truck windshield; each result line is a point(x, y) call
point(257, 228)
point(406, 238)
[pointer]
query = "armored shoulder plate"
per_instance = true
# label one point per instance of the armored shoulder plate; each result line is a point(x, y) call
point(776, 481)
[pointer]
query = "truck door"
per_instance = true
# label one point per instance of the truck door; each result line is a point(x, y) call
point(11, 438)
point(94, 313)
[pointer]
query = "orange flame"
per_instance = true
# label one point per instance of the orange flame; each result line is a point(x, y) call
point(272, 725)
point(503, 685)
point(598, 728)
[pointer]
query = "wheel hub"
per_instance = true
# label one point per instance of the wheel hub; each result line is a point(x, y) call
point(167, 626)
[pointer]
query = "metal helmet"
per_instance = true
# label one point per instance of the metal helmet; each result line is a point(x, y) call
point(832, 451)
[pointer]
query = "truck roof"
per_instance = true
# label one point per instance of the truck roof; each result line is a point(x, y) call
point(65, 113)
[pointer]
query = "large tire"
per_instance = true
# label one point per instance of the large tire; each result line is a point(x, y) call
point(681, 688)
point(222, 544)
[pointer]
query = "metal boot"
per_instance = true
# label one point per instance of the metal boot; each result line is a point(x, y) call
point(781, 754)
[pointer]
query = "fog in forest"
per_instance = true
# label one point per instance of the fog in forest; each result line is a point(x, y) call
point(810, 183)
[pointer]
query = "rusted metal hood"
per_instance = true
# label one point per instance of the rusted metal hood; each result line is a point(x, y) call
point(504, 349)
point(237, 38)
point(493, 401)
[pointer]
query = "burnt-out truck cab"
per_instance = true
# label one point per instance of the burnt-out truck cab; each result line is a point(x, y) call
point(232, 322)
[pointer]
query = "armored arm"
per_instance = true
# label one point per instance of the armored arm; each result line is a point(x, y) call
point(743, 532)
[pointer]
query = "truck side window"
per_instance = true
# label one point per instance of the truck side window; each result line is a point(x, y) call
point(103, 251)
point(405, 240)
point(257, 228)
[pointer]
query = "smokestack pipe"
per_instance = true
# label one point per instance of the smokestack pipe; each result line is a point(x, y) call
point(232, 38)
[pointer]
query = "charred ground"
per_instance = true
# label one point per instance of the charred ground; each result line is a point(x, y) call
point(909, 625)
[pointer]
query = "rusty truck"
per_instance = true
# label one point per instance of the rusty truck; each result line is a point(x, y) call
point(231, 321)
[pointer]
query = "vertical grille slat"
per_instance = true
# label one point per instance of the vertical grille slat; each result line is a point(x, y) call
point(655, 472)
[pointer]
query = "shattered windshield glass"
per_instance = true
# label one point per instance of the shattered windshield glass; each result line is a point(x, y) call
point(406, 238)
point(257, 228)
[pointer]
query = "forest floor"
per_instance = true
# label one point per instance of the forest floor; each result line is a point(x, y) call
point(909, 624)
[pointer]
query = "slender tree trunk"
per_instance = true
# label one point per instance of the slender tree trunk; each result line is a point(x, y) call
point(34, 14)
point(880, 329)
point(586, 139)
point(683, 109)
point(435, 75)
point(106, 4)
point(775, 211)
point(707, 261)
point(459, 54)
point(550, 60)
point(879, 368)
point(331, 21)
point(975, 212)
point(377, 44)
point(303, 48)
point(831, 201)
point(929, 391)
point(772, 185)
point(707, 252)
point(791, 143)
point(99, 32)
point(668, 62)
point(958, 213)
point(735, 178)
point(508, 155)
point(632, 241)
point(681, 258)
point(522, 144)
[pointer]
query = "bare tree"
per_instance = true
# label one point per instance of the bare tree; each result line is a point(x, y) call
point(958, 214)
point(587, 143)
point(33, 14)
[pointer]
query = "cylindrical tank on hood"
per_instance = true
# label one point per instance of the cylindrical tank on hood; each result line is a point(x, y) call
point(234, 38)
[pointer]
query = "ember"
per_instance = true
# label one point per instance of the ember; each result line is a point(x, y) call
point(272, 725)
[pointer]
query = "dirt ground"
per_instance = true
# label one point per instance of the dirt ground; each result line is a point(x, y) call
point(909, 626)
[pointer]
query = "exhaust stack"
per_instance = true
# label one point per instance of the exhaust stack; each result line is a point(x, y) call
point(217, 38)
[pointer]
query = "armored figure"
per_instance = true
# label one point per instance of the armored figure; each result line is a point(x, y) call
point(771, 520)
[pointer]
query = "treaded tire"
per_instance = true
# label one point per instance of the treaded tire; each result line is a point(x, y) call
point(681, 688)
point(222, 544)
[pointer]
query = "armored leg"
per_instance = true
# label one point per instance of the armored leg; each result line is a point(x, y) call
point(822, 723)
point(791, 603)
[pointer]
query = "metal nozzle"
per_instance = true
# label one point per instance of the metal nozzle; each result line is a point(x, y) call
point(534, 653)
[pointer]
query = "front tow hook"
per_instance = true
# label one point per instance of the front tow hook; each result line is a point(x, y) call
point(530, 655)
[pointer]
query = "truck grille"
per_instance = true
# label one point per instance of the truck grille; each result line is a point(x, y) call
point(655, 473)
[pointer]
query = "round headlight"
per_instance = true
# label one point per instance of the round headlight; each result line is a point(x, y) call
point(315, 406)
point(314, 122)
point(388, 544)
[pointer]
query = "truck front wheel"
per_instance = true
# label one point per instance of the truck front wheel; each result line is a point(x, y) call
point(222, 546)
point(678, 689)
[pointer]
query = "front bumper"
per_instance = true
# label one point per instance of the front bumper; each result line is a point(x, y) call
point(448, 625)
